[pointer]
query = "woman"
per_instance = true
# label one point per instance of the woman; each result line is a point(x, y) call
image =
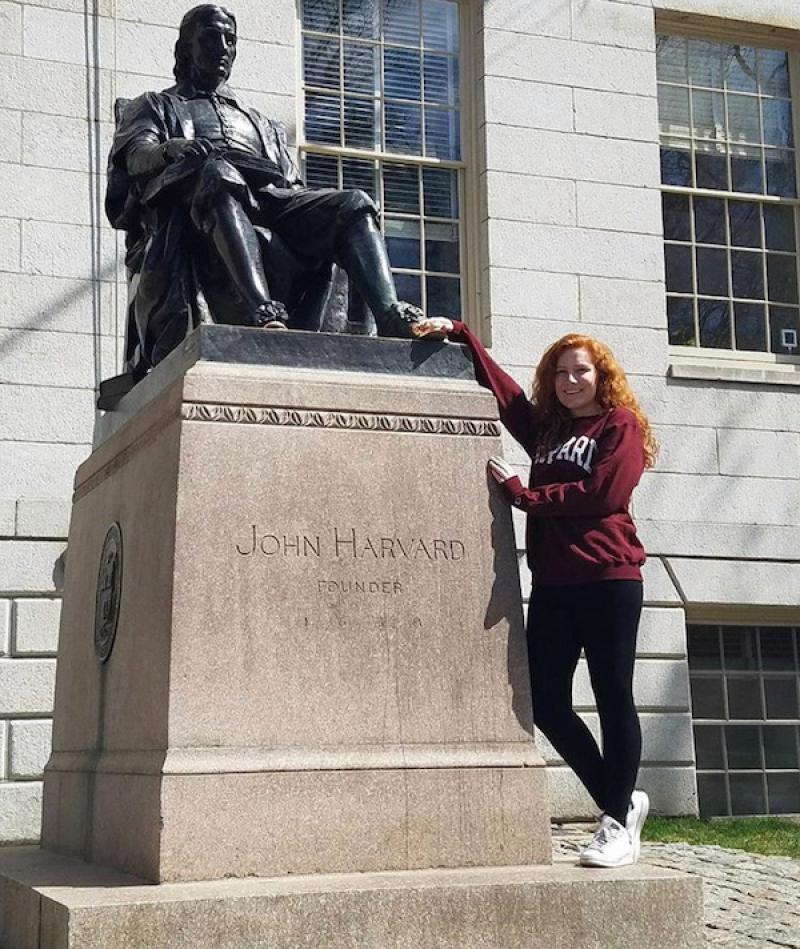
point(589, 442)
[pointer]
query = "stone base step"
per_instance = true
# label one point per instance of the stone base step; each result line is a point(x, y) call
point(48, 901)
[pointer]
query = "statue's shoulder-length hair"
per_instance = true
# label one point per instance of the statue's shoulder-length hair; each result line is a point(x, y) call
point(183, 45)
point(613, 391)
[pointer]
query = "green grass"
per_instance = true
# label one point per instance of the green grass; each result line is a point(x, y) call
point(765, 835)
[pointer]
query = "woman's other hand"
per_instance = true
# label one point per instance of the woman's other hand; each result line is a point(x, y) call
point(435, 327)
point(500, 469)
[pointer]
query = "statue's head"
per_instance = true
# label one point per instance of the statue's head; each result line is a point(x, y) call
point(206, 45)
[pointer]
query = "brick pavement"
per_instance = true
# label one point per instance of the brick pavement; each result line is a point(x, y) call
point(750, 901)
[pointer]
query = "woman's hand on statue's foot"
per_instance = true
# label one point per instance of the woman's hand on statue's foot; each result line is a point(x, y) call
point(435, 327)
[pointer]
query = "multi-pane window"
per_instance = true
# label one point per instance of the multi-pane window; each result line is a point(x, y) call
point(746, 716)
point(729, 183)
point(382, 113)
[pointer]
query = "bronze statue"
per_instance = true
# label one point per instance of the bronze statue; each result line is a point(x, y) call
point(219, 223)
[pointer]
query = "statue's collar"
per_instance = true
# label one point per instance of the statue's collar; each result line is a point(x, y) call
point(188, 90)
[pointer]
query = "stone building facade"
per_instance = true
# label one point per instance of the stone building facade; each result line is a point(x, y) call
point(579, 136)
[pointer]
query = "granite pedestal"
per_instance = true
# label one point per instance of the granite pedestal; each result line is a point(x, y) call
point(319, 670)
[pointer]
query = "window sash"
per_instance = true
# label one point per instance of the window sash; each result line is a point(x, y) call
point(717, 664)
point(435, 270)
point(722, 303)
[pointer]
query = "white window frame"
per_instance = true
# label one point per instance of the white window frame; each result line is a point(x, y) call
point(732, 365)
point(467, 165)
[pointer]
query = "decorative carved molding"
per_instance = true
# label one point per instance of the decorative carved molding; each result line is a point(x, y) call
point(314, 418)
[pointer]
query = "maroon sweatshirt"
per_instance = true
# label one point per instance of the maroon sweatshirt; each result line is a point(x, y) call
point(579, 529)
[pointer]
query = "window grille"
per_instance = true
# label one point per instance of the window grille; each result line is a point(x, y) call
point(746, 718)
point(729, 183)
point(382, 112)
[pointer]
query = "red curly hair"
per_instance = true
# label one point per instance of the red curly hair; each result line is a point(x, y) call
point(613, 389)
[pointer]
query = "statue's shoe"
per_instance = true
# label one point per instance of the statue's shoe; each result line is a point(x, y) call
point(398, 320)
point(271, 315)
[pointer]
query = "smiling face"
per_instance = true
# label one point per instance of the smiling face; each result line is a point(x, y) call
point(213, 49)
point(576, 382)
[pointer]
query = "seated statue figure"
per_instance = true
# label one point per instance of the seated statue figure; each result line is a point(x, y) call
point(219, 223)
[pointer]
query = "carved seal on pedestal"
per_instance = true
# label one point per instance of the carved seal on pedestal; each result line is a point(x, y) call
point(109, 592)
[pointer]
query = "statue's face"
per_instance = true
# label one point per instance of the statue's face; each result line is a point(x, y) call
point(214, 49)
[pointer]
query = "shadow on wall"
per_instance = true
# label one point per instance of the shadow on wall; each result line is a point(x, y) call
point(94, 157)
point(536, 21)
point(59, 567)
point(505, 603)
point(96, 162)
point(39, 322)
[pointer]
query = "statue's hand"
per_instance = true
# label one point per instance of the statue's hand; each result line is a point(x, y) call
point(435, 327)
point(177, 148)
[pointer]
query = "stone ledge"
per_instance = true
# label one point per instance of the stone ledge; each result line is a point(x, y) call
point(718, 582)
point(777, 374)
point(54, 902)
point(246, 347)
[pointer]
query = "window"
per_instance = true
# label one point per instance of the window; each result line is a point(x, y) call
point(746, 717)
point(382, 112)
point(729, 191)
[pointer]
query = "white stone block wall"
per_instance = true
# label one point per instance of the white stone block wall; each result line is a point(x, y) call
point(59, 330)
point(32, 545)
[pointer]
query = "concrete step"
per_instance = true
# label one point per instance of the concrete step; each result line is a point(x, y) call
point(48, 901)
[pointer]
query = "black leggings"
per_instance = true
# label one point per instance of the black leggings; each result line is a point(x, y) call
point(601, 618)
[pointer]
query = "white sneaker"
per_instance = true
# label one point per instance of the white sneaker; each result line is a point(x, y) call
point(611, 846)
point(634, 821)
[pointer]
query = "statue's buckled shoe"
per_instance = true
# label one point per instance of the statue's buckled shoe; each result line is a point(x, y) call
point(398, 319)
point(271, 315)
